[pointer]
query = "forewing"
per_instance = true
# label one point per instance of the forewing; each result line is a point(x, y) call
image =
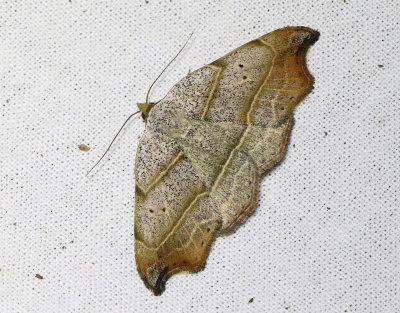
point(205, 146)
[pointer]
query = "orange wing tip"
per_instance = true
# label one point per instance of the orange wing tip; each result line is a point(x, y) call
point(156, 267)
point(293, 40)
point(156, 283)
point(155, 273)
point(156, 279)
point(313, 35)
point(308, 38)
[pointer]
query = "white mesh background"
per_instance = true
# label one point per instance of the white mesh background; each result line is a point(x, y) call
point(325, 236)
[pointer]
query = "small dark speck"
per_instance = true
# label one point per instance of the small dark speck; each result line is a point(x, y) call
point(63, 247)
point(380, 65)
point(8, 100)
point(240, 65)
point(15, 224)
point(244, 77)
point(325, 134)
point(294, 146)
point(251, 300)
point(147, 2)
point(151, 211)
point(83, 147)
point(287, 307)
point(39, 276)
point(328, 209)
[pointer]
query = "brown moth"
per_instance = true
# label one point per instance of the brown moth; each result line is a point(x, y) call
point(206, 145)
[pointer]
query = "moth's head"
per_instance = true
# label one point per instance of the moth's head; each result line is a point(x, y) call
point(145, 109)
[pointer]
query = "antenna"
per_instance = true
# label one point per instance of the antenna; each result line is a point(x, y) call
point(147, 98)
point(115, 137)
point(148, 92)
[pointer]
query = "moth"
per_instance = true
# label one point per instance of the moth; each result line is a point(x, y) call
point(206, 145)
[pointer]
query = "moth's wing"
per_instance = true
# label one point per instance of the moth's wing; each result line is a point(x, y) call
point(177, 212)
point(270, 118)
point(259, 84)
point(205, 145)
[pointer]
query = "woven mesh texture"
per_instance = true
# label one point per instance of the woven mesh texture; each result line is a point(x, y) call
point(325, 235)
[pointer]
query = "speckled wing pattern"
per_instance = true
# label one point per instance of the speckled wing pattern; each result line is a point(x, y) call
point(206, 145)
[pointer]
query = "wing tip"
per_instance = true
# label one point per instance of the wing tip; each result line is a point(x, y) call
point(307, 38)
point(313, 35)
point(157, 286)
point(291, 39)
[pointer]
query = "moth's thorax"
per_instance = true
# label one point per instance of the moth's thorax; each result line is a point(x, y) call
point(145, 108)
